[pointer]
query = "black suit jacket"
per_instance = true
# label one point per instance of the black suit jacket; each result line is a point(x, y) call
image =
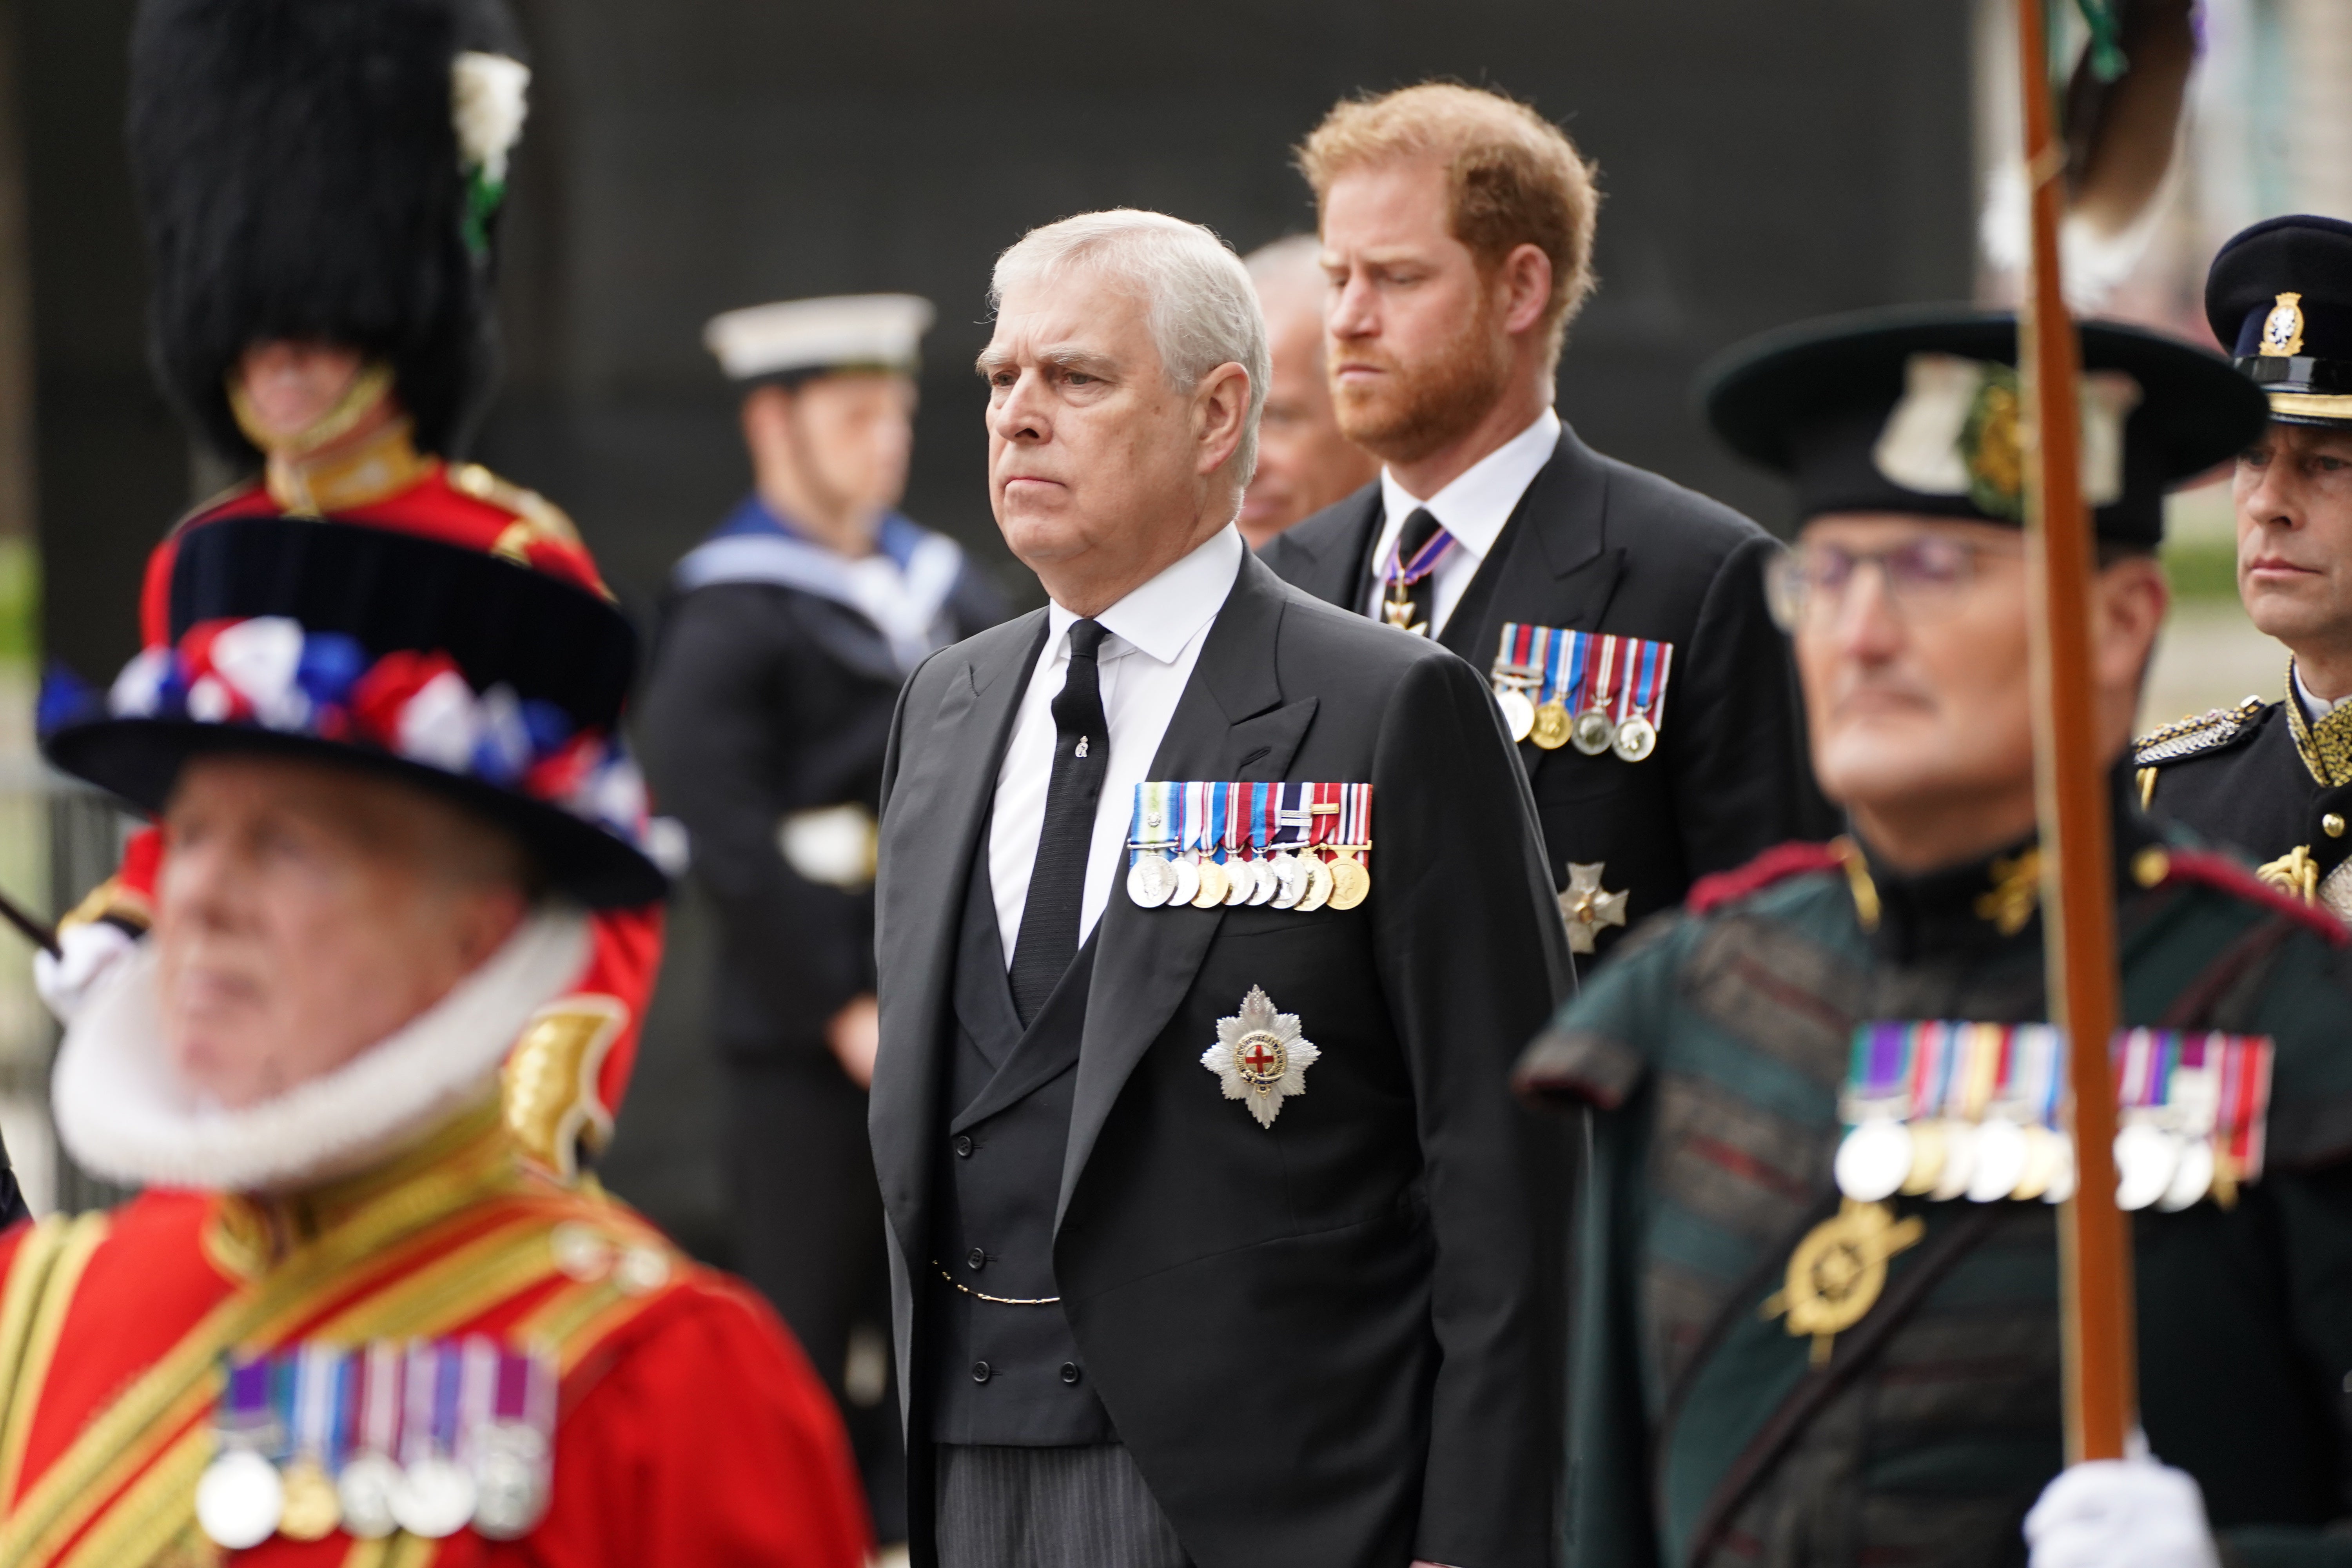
point(2243, 783)
point(1596, 545)
point(1324, 1341)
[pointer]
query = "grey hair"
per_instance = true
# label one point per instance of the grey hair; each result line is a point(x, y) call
point(1202, 309)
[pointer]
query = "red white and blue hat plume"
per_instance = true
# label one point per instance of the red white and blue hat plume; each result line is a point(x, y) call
point(469, 674)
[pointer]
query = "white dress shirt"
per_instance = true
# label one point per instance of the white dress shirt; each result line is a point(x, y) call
point(1156, 633)
point(2315, 708)
point(1473, 508)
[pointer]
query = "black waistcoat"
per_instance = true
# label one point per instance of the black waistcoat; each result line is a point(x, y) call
point(1004, 1374)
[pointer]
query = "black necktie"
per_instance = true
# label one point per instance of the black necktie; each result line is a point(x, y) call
point(1406, 596)
point(1057, 880)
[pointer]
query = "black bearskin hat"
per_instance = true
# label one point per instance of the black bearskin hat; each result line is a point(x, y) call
point(299, 169)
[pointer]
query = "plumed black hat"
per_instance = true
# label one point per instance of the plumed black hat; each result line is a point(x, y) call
point(1915, 411)
point(2279, 298)
point(299, 169)
point(480, 679)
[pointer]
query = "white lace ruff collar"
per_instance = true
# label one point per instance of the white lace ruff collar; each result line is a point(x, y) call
point(124, 1114)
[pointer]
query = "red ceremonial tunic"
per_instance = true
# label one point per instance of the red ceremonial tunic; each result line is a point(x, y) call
point(690, 1428)
point(593, 1038)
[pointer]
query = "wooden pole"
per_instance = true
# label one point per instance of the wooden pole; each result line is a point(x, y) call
point(2071, 780)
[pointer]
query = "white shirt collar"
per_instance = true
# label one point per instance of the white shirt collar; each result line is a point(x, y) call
point(1166, 613)
point(1474, 508)
point(2313, 708)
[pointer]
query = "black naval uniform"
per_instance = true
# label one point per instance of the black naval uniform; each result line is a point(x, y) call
point(1597, 545)
point(2270, 778)
point(2263, 779)
point(770, 695)
point(1710, 1053)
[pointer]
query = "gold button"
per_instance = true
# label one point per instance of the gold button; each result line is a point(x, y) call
point(2334, 825)
point(2150, 866)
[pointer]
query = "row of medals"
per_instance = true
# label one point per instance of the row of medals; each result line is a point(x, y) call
point(1551, 726)
point(2156, 1166)
point(243, 1500)
point(1302, 882)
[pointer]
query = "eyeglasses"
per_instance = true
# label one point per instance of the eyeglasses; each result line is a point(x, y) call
point(1924, 578)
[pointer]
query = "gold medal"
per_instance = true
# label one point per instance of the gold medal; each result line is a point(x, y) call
point(1551, 725)
point(1838, 1271)
point(312, 1508)
point(1319, 885)
point(1351, 883)
point(1214, 885)
point(1926, 1158)
point(1593, 733)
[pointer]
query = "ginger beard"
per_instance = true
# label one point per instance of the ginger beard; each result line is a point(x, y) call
point(1415, 410)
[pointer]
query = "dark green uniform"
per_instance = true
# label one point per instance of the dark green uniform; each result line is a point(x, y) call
point(1709, 1053)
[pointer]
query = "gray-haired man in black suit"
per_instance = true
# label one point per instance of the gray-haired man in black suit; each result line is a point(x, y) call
point(1210, 917)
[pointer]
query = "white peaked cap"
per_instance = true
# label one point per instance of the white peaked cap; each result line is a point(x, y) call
point(845, 331)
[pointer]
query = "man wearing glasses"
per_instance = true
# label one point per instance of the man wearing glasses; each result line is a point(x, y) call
point(2274, 779)
point(1818, 1272)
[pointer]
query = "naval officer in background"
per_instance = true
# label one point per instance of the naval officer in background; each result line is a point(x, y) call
point(1619, 617)
point(786, 640)
point(1210, 919)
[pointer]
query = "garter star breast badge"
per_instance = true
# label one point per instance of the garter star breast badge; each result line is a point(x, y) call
point(1260, 1057)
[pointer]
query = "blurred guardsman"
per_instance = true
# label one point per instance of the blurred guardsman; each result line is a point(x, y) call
point(1619, 618)
point(2274, 779)
point(1818, 1269)
point(765, 724)
point(1207, 912)
point(322, 187)
point(1304, 464)
point(348, 1321)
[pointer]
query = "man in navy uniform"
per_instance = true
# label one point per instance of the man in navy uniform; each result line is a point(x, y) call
point(765, 721)
point(1819, 1276)
point(2274, 778)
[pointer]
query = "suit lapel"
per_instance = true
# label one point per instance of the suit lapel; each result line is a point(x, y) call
point(1337, 567)
point(1232, 724)
point(937, 808)
point(1553, 565)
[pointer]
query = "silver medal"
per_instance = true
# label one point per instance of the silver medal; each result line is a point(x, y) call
point(1635, 739)
point(1151, 880)
point(1241, 880)
point(2147, 1157)
point(365, 1487)
point(1187, 882)
point(1269, 882)
point(240, 1499)
point(434, 1498)
point(2001, 1150)
point(511, 1481)
point(1291, 873)
point(2064, 1175)
point(2192, 1179)
point(1960, 1161)
point(1874, 1159)
point(1519, 713)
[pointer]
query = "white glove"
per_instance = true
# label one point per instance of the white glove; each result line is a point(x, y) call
point(2121, 1513)
point(87, 954)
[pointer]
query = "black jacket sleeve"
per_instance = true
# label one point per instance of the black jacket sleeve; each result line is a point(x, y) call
point(1740, 776)
point(12, 1196)
point(719, 739)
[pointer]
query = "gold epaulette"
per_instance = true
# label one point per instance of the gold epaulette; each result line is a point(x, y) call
point(2198, 733)
point(536, 517)
point(110, 900)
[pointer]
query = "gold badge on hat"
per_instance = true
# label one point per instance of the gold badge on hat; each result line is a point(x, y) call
point(1260, 1057)
point(2282, 328)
